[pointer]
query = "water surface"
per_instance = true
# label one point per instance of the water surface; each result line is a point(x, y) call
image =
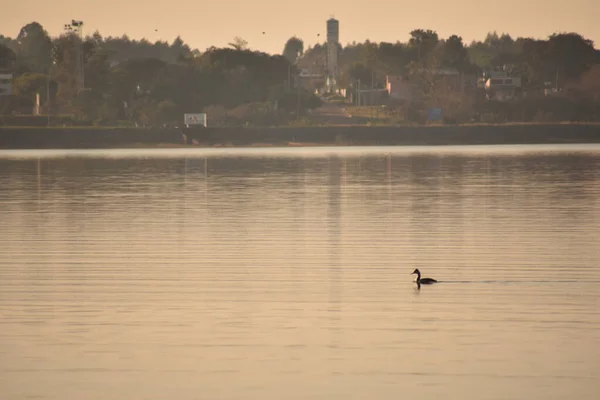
point(285, 273)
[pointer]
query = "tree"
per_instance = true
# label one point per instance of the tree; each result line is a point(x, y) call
point(122, 49)
point(239, 43)
point(294, 48)
point(167, 111)
point(424, 42)
point(590, 82)
point(29, 84)
point(7, 57)
point(570, 54)
point(495, 50)
point(181, 49)
point(502, 43)
point(369, 53)
point(34, 47)
point(454, 54)
point(534, 67)
point(135, 79)
point(26, 86)
point(8, 42)
point(393, 58)
point(97, 72)
point(481, 54)
point(357, 71)
point(66, 67)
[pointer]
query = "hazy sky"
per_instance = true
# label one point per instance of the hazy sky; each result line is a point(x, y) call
point(202, 24)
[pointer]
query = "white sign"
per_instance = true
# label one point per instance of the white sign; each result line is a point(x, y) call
point(195, 119)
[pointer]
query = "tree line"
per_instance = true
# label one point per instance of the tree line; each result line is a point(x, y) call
point(563, 56)
point(146, 83)
point(565, 63)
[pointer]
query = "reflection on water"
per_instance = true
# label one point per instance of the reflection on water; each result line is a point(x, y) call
point(285, 273)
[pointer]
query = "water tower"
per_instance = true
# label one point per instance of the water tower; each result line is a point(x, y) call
point(333, 40)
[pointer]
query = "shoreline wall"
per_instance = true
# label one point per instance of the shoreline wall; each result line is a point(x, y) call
point(85, 137)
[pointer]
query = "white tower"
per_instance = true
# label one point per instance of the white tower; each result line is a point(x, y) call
point(333, 40)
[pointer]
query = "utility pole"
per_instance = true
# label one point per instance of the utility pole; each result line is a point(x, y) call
point(48, 110)
point(372, 86)
point(298, 106)
point(372, 97)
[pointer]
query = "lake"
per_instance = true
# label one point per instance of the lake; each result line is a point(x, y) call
point(286, 273)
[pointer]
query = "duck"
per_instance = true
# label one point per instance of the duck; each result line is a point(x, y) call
point(423, 281)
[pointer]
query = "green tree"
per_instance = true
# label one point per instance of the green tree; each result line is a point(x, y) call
point(495, 50)
point(96, 68)
point(423, 42)
point(357, 71)
point(393, 58)
point(454, 54)
point(239, 43)
point(167, 111)
point(294, 48)
point(180, 49)
point(34, 47)
point(132, 83)
point(369, 53)
point(65, 71)
point(534, 68)
point(29, 84)
point(590, 82)
point(8, 42)
point(570, 54)
point(7, 57)
point(25, 87)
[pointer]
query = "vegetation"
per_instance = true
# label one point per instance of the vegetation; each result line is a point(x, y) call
point(294, 48)
point(148, 84)
point(129, 82)
point(560, 76)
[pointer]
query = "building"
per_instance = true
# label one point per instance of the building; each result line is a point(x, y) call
point(6, 84)
point(456, 80)
point(311, 78)
point(499, 86)
point(370, 97)
point(333, 45)
point(399, 89)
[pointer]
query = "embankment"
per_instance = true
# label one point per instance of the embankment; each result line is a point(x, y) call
point(86, 137)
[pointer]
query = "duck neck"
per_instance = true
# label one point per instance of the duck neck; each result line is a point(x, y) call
point(418, 277)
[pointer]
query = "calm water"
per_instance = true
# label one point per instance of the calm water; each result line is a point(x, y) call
point(285, 274)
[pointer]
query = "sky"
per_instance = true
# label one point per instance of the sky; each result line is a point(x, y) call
point(204, 24)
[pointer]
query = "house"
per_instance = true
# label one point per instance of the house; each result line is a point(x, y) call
point(311, 72)
point(399, 89)
point(310, 78)
point(452, 79)
point(499, 86)
point(456, 80)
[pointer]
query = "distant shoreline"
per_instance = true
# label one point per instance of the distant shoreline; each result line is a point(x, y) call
point(301, 136)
